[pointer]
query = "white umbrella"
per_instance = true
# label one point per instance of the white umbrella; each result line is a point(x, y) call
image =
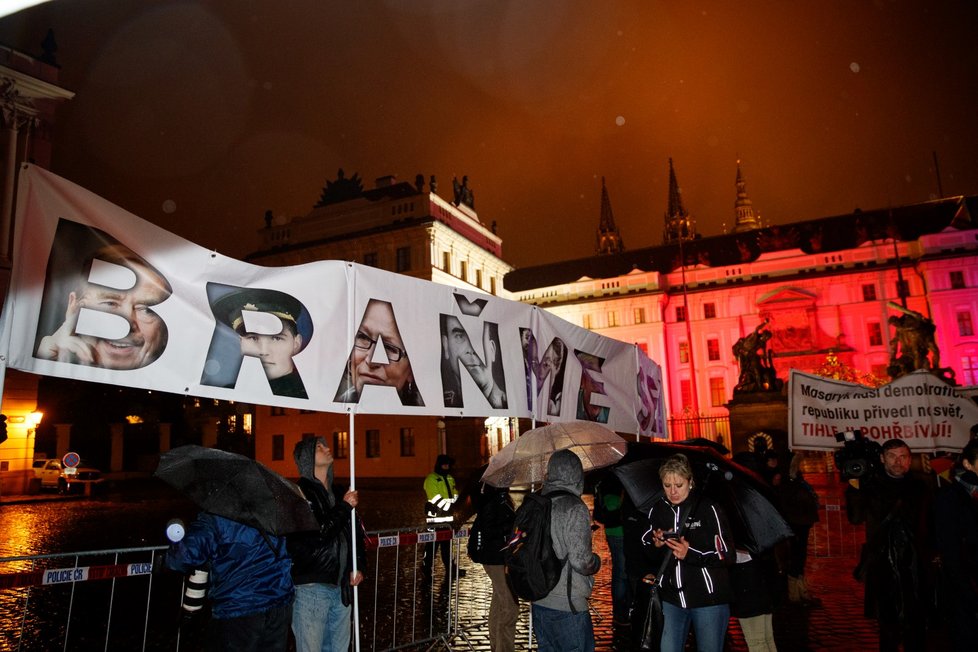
point(524, 461)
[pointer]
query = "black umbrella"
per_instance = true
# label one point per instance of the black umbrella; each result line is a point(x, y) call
point(742, 494)
point(238, 488)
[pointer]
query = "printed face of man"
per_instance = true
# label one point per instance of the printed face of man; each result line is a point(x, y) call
point(147, 332)
point(896, 461)
point(458, 348)
point(274, 351)
point(378, 325)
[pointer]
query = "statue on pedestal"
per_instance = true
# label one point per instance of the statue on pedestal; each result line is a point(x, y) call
point(757, 372)
point(913, 341)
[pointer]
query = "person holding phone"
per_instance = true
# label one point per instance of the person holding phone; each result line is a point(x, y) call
point(696, 587)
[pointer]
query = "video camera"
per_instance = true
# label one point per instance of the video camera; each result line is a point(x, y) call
point(858, 456)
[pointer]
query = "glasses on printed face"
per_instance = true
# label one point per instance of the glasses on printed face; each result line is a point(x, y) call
point(364, 342)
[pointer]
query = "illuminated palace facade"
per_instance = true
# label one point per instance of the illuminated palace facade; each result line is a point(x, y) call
point(825, 286)
point(401, 227)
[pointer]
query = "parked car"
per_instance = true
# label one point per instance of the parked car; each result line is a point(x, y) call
point(55, 475)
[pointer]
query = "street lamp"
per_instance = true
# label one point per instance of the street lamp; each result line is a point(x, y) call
point(34, 419)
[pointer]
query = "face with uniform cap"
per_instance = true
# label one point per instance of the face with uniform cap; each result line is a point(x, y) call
point(274, 351)
point(265, 320)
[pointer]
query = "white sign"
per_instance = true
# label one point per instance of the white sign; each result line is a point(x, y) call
point(101, 295)
point(919, 408)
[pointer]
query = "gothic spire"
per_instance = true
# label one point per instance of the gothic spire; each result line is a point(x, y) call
point(678, 222)
point(609, 238)
point(746, 219)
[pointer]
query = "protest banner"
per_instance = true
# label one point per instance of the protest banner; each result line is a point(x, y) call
point(919, 408)
point(100, 295)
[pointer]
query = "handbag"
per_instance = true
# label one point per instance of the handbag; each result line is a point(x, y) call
point(651, 635)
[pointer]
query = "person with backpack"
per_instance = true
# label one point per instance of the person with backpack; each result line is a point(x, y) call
point(608, 497)
point(488, 536)
point(561, 620)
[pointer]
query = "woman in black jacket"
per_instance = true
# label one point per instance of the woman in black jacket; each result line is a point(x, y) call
point(696, 585)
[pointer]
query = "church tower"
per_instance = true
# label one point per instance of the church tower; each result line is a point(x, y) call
point(746, 219)
point(609, 238)
point(679, 225)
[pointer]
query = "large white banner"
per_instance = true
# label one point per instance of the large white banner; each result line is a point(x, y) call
point(919, 408)
point(101, 295)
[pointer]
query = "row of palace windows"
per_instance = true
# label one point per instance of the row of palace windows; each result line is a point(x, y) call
point(463, 272)
point(718, 392)
point(712, 350)
point(710, 309)
point(402, 260)
point(341, 444)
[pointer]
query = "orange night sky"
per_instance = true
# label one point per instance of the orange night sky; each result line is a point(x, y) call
point(200, 116)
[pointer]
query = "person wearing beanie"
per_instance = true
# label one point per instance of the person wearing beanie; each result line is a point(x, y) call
point(562, 621)
point(322, 561)
point(441, 495)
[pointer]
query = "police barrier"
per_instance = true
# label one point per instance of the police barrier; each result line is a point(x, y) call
point(122, 599)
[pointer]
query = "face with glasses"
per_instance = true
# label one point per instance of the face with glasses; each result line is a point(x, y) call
point(390, 365)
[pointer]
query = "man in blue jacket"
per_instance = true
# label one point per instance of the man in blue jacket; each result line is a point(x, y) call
point(250, 586)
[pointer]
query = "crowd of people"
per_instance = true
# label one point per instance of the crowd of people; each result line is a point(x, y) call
point(677, 568)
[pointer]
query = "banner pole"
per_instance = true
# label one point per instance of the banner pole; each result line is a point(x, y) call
point(350, 307)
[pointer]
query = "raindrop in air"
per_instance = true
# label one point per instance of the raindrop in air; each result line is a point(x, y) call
point(620, 120)
point(854, 67)
point(169, 206)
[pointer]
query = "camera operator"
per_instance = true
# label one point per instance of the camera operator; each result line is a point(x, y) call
point(894, 504)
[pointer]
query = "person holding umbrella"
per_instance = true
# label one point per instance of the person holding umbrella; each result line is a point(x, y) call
point(250, 587)
point(322, 561)
point(695, 587)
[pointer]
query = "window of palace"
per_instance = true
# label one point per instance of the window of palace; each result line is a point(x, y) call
point(407, 442)
point(373, 443)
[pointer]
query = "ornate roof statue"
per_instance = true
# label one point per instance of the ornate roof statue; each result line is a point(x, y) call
point(341, 190)
point(463, 194)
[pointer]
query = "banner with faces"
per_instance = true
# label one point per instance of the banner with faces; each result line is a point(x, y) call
point(98, 294)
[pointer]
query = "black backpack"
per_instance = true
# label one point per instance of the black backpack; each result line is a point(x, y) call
point(532, 566)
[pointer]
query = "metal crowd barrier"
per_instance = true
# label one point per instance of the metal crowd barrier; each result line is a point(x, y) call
point(121, 599)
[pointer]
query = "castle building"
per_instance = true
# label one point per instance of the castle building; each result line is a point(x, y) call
point(826, 285)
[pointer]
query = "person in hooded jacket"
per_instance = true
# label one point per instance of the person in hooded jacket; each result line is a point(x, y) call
point(696, 585)
point(562, 623)
point(441, 494)
point(322, 562)
point(249, 585)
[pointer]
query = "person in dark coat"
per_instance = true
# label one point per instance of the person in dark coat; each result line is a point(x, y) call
point(696, 585)
point(894, 504)
point(798, 503)
point(322, 562)
point(956, 524)
point(753, 579)
point(489, 535)
point(250, 588)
